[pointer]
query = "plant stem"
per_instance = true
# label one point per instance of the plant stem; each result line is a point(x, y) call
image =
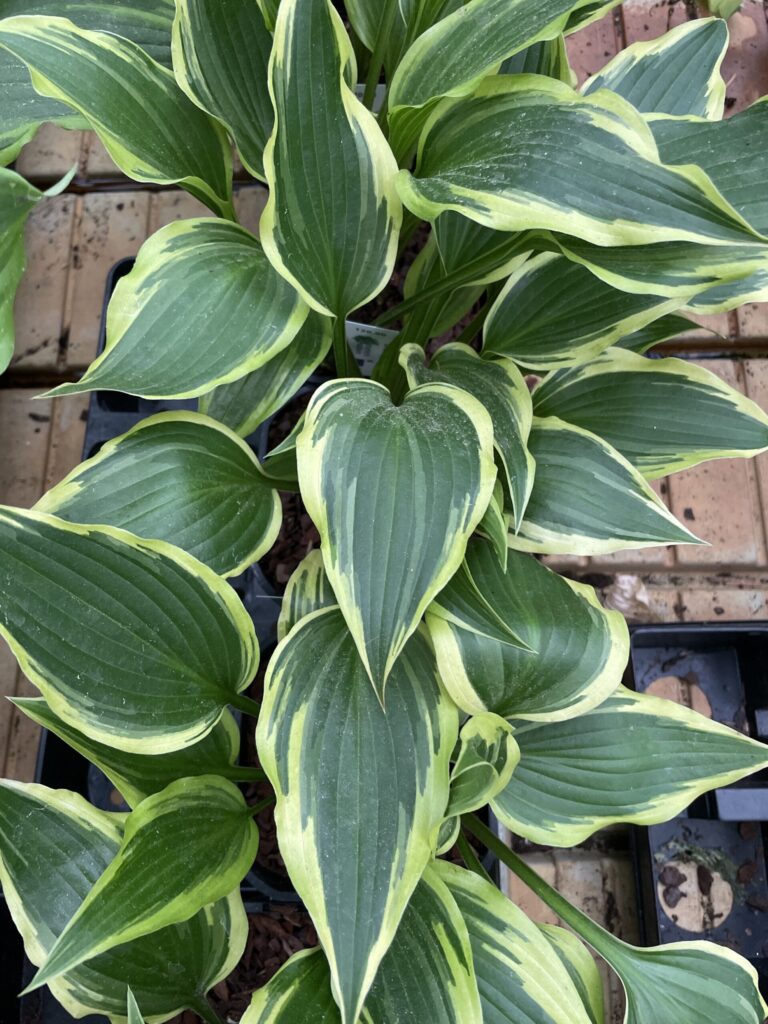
point(471, 859)
point(262, 805)
point(474, 327)
point(203, 1009)
point(600, 940)
point(246, 705)
point(345, 361)
point(242, 773)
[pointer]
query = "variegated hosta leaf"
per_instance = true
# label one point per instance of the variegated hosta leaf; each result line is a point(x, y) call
point(179, 477)
point(308, 591)
point(53, 847)
point(660, 330)
point(732, 152)
point(451, 58)
point(221, 54)
point(473, 253)
point(332, 220)
point(724, 8)
point(450, 830)
point(685, 982)
point(688, 983)
point(387, 28)
point(183, 848)
point(280, 464)
point(17, 200)
point(501, 388)
point(578, 649)
point(588, 499)
point(582, 969)
point(137, 776)
point(440, 313)
point(356, 845)
point(151, 130)
point(562, 791)
point(548, 57)
point(678, 73)
point(427, 974)
point(488, 756)
point(724, 297)
point(134, 1013)
point(588, 13)
point(395, 491)
point(518, 977)
point(201, 307)
point(245, 403)
point(674, 269)
point(145, 22)
point(493, 525)
point(134, 643)
point(553, 312)
point(504, 156)
point(462, 603)
point(663, 415)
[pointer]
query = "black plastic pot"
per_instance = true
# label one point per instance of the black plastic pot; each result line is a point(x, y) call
point(722, 833)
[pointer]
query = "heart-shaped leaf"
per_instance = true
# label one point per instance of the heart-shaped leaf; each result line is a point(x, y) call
point(395, 493)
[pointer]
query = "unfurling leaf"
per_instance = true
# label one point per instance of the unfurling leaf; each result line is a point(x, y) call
point(487, 758)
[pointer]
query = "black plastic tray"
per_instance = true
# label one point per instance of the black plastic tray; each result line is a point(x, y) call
point(723, 834)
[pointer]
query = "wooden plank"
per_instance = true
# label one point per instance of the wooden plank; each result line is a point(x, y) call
point(756, 387)
point(41, 297)
point(50, 154)
point(647, 19)
point(719, 501)
point(745, 68)
point(108, 226)
point(592, 47)
point(172, 205)
point(753, 321)
point(26, 426)
point(65, 448)
point(723, 604)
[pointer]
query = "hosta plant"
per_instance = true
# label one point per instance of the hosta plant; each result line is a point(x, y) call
point(430, 663)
